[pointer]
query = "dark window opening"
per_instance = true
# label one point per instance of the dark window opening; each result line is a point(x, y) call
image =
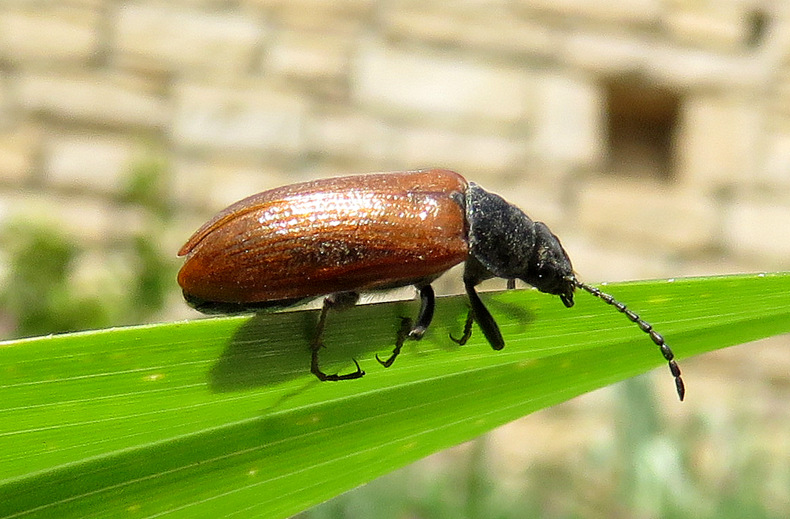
point(757, 27)
point(642, 121)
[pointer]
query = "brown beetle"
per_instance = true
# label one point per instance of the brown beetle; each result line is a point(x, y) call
point(341, 236)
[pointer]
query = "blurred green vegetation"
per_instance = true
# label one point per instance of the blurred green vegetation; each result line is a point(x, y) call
point(53, 283)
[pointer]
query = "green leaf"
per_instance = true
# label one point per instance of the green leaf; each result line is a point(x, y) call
point(221, 417)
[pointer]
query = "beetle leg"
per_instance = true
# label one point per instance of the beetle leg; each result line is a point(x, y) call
point(470, 319)
point(484, 319)
point(403, 334)
point(424, 318)
point(342, 300)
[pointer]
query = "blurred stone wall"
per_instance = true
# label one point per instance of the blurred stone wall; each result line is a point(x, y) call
point(653, 136)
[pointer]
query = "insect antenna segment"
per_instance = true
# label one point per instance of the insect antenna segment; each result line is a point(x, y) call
point(656, 337)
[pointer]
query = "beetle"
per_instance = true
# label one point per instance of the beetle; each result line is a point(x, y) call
point(337, 237)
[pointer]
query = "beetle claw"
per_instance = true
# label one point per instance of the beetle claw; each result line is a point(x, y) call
point(323, 377)
point(386, 363)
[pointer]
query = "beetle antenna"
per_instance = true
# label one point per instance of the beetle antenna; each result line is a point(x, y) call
point(657, 338)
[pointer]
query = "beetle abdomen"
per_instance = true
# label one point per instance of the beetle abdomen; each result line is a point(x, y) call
point(334, 235)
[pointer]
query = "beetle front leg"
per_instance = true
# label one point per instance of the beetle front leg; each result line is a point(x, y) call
point(407, 331)
point(342, 300)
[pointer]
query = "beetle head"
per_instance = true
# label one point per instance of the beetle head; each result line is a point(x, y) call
point(549, 268)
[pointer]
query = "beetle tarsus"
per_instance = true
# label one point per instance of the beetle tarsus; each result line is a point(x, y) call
point(340, 300)
point(323, 377)
point(405, 332)
point(416, 331)
point(470, 319)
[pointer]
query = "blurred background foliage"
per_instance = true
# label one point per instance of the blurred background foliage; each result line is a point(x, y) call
point(53, 283)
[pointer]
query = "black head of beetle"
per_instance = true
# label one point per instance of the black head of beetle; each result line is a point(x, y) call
point(504, 242)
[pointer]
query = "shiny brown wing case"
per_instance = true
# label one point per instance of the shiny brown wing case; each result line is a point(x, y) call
point(351, 233)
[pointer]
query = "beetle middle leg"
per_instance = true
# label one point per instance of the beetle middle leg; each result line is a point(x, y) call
point(407, 331)
point(484, 319)
point(470, 319)
point(338, 301)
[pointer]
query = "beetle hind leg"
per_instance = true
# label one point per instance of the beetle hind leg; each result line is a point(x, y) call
point(407, 331)
point(339, 301)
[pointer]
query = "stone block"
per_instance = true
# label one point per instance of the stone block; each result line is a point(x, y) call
point(211, 183)
point(642, 12)
point(469, 153)
point(233, 182)
point(246, 118)
point(605, 53)
point(723, 27)
point(106, 99)
point(665, 219)
point(342, 6)
point(600, 260)
point(719, 142)
point(126, 221)
point(541, 198)
point(320, 59)
point(569, 119)
point(4, 97)
point(421, 83)
point(88, 162)
point(344, 16)
point(20, 146)
point(662, 61)
point(349, 135)
point(190, 184)
point(759, 228)
point(776, 172)
point(696, 69)
point(480, 26)
point(50, 33)
point(87, 220)
point(187, 39)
